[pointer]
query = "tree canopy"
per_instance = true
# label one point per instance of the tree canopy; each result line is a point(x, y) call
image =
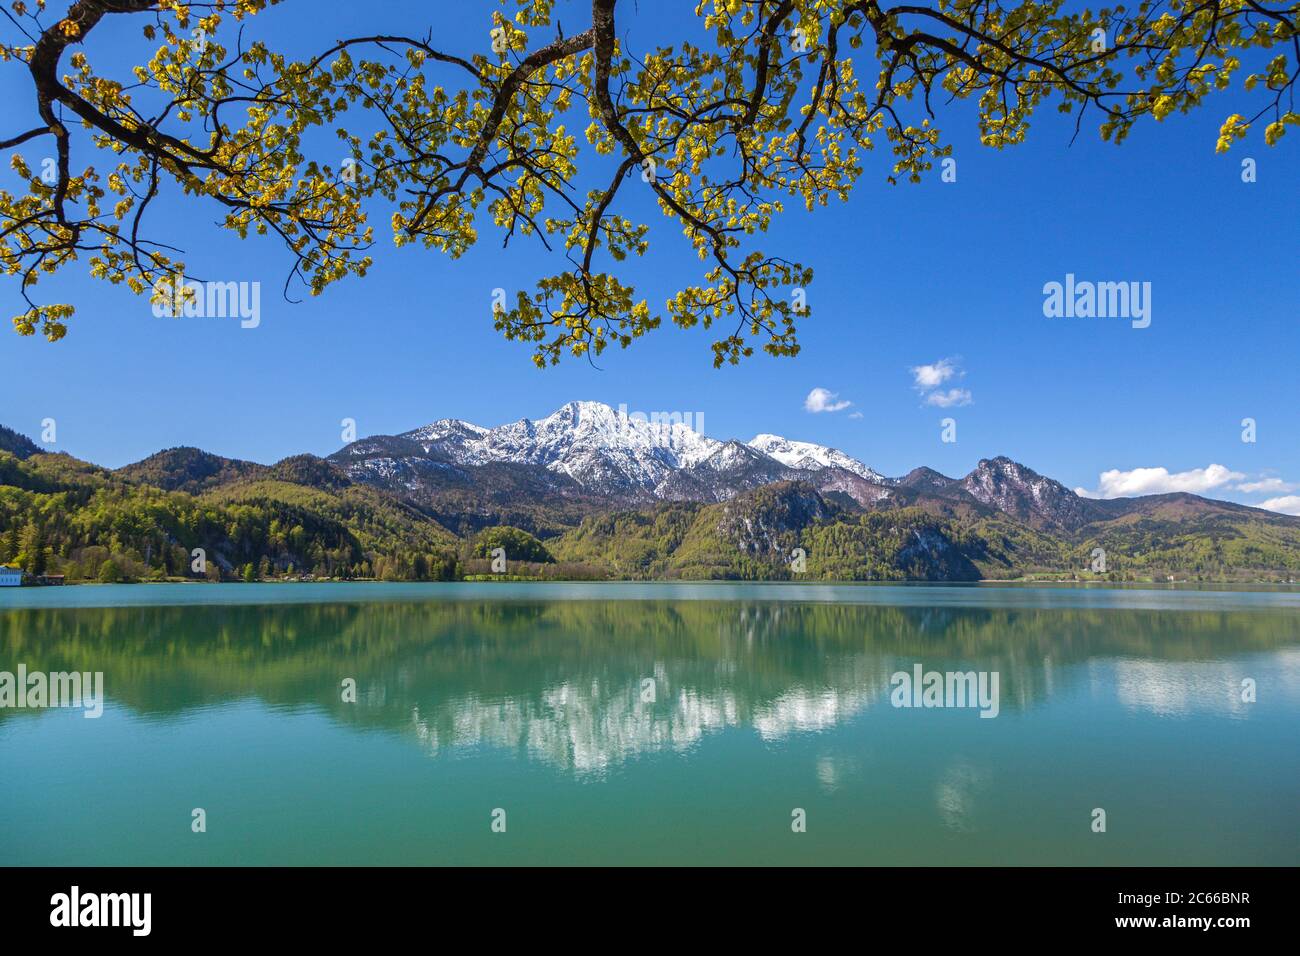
point(770, 102)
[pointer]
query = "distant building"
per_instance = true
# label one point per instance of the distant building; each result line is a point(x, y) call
point(10, 577)
point(54, 579)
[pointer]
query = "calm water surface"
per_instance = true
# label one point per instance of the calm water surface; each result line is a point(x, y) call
point(766, 698)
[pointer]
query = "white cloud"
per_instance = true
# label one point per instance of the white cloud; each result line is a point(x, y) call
point(927, 380)
point(824, 400)
point(855, 414)
point(932, 376)
point(1160, 481)
point(1267, 484)
point(1287, 505)
point(952, 397)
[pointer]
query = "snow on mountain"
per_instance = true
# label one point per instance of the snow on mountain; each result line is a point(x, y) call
point(587, 455)
point(446, 429)
point(591, 449)
point(604, 450)
point(807, 456)
point(588, 441)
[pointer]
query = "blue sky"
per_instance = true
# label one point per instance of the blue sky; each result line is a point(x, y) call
point(906, 276)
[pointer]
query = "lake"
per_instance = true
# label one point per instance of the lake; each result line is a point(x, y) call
point(652, 724)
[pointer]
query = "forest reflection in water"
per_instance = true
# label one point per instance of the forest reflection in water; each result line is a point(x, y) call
point(585, 685)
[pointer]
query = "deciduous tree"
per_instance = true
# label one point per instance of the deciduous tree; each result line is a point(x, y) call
point(769, 102)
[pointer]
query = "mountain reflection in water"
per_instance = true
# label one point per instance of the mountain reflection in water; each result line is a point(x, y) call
point(586, 686)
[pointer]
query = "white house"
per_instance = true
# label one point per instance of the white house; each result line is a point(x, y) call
point(10, 577)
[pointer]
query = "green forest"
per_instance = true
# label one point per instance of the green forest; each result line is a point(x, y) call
point(62, 516)
point(304, 519)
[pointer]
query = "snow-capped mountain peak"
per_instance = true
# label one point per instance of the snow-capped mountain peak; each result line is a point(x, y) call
point(808, 456)
point(589, 441)
point(590, 451)
point(608, 451)
point(445, 428)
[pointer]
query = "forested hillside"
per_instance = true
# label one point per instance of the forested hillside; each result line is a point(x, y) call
point(757, 536)
point(59, 515)
point(305, 517)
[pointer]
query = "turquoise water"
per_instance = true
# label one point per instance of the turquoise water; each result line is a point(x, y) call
point(651, 723)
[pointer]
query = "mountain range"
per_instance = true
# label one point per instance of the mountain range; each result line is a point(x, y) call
point(608, 494)
point(589, 452)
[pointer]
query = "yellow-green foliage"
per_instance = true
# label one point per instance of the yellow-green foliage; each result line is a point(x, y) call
point(766, 102)
point(60, 515)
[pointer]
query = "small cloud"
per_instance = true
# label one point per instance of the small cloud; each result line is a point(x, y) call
point(824, 400)
point(927, 380)
point(1160, 481)
point(855, 414)
point(1287, 505)
point(951, 398)
point(932, 376)
point(1267, 485)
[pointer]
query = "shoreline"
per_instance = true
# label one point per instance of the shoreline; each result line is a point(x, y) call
point(918, 595)
point(1147, 583)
